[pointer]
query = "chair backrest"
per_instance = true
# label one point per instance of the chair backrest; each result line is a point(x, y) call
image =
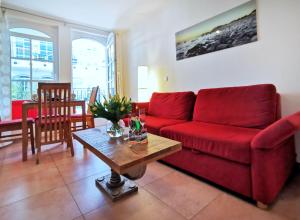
point(53, 111)
point(92, 98)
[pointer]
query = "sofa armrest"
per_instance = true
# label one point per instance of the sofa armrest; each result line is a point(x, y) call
point(277, 132)
point(273, 157)
point(139, 105)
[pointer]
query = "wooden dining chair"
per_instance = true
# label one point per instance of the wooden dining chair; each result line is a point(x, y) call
point(13, 126)
point(53, 124)
point(78, 118)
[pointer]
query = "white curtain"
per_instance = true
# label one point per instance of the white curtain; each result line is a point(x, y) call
point(118, 64)
point(5, 94)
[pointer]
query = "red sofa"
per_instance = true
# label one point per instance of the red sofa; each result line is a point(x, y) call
point(231, 136)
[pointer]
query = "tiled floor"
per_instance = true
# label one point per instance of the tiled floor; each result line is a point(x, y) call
point(62, 187)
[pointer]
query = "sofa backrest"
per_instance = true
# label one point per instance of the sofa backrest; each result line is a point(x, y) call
point(246, 106)
point(175, 105)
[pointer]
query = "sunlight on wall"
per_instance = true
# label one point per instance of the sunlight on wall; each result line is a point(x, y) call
point(143, 93)
point(153, 82)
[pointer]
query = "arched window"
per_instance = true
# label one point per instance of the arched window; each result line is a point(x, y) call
point(32, 61)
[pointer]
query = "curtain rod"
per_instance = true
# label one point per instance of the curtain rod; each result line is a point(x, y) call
point(65, 22)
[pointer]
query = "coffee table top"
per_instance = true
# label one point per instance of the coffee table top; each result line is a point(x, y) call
point(119, 154)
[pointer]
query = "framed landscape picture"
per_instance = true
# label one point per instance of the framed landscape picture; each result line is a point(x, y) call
point(232, 28)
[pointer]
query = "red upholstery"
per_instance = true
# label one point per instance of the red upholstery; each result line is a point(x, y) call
point(228, 142)
point(270, 170)
point(154, 124)
point(245, 106)
point(277, 132)
point(176, 105)
point(17, 110)
point(15, 121)
point(234, 176)
point(234, 139)
point(16, 124)
point(139, 105)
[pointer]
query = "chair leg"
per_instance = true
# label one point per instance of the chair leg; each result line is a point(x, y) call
point(90, 122)
point(38, 144)
point(38, 154)
point(70, 141)
point(74, 126)
point(32, 138)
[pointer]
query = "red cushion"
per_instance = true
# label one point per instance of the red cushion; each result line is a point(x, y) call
point(17, 110)
point(154, 124)
point(224, 141)
point(246, 106)
point(15, 121)
point(135, 106)
point(176, 105)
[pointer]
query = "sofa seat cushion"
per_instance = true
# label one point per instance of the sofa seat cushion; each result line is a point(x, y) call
point(154, 124)
point(228, 142)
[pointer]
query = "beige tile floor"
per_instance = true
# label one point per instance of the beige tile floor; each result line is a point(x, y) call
point(63, 187)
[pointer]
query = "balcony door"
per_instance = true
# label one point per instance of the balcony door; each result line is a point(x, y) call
point(89, 67)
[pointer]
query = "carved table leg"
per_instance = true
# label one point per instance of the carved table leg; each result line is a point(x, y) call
point(115, 180)
point(115, 185)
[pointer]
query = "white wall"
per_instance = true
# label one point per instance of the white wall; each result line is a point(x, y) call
point(275, 58)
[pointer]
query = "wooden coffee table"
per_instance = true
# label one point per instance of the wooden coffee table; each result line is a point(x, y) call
point(123, 157)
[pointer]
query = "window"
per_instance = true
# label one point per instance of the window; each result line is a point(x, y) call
point(89, 68)
point(32, 61)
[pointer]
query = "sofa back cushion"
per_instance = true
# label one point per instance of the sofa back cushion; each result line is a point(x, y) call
point(246, 106)
point(175, 105)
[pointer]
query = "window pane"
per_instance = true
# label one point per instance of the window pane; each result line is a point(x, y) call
point(20, 90)
point(42, 50)
point(42, 70)
point(20, 69)
point(34, 87)
point(20, 47)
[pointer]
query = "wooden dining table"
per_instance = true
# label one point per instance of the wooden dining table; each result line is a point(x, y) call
point(34, 104)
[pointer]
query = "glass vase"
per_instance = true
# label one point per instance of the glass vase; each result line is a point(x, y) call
point(115, 129)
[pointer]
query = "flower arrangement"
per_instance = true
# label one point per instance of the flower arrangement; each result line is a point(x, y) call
point(113, 109)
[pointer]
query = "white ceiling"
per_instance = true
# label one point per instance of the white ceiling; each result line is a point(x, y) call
point(107, 14)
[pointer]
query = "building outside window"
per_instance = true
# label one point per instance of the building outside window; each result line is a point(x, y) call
point(32, 61)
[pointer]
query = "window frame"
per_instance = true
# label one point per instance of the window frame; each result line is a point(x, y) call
point(52, 33)
point(111, 63)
